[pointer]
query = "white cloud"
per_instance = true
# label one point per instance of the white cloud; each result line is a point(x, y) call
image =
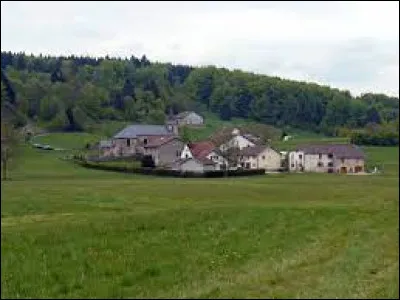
point(350, 45)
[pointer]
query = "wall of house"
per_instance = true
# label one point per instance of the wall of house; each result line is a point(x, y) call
point(210, 168)
point(350, 164)
point(192, 119)
point(186, 153)
point(296, 161)
point(169, 152)
point(192, 165)
point(245, 160)
point(121, 148)
point(218, 159)
point(318, 163)
point(269, 160)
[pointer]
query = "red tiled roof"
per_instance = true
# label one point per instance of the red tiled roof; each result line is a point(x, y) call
point(201, 149)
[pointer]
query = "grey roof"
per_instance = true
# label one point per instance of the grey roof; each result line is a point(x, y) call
point(338, 150)
point(252, 151)
point(136, 130)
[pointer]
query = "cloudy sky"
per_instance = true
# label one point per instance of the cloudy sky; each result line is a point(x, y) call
point(349, 45)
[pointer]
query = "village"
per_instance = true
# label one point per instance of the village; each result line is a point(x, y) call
point(236, 150)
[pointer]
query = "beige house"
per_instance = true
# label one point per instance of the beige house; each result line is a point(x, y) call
point(339, 158)
point(260, 157)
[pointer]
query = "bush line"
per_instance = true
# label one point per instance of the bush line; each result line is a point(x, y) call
point(168, 173)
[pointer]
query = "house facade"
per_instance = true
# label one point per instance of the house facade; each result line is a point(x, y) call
point(132, 139)
point(341, 158)
point(260, 157)
point(188, 118)
point(163, 150)
point(192, 165)
point(186, 153)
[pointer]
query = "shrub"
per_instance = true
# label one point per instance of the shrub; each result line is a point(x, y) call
point(148, 162)
point(246, 172)
point(165, 172)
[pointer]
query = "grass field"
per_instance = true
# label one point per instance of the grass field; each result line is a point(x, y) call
point(72, 140)
point(74, 232)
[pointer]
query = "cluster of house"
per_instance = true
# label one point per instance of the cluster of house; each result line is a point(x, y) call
point(164, 145)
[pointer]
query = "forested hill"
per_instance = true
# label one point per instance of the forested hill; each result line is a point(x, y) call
point(70, 92)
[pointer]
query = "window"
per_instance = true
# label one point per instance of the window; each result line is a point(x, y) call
point(300, 156)
point(292, 165)
point(330, 164)
point(145, 141)
point(320, 164)
point(177, 153)
point(320, 156)
point(263, 157)
point(128, 142)
point(187, 155)
point(330, 155)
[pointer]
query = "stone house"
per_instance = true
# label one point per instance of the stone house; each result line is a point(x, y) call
point(132, 139)
point(260, 157)
point(339, 158)
point(188, 118)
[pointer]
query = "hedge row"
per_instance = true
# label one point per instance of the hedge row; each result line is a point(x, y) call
point(379, 137)
point(169, 173)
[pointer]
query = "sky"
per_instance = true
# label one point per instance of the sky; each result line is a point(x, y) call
point(347, 45)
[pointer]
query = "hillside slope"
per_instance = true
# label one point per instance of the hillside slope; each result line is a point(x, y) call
point(70, 93)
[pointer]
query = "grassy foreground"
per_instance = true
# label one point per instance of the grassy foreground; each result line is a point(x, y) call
point(73, 232)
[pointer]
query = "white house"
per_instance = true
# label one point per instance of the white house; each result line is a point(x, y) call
point(237, 140)
point(186, 153)
point(339, 158)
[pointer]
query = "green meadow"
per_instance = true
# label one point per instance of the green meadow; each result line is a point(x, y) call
point(69, 232)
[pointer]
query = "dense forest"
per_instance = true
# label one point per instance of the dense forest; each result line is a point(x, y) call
point(68, 93)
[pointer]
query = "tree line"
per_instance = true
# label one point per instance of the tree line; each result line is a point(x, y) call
point(71, 92)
